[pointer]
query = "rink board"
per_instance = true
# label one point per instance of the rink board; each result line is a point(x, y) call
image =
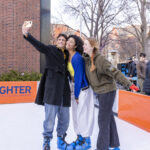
point(134, 108)
point(131, 107)
point(17, 92)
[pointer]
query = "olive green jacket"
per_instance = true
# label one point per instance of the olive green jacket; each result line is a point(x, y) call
point(103, 78)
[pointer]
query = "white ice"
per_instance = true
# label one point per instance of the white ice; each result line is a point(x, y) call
point(21, 127)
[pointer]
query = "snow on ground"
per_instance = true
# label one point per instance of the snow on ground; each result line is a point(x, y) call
point(21, 127)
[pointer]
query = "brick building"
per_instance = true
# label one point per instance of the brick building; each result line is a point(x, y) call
point(122, 40)
point(15, 52)
point(61, 28)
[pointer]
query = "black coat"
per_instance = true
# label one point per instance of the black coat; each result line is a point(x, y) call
point(54, 85)
point(146, 84)
point(131, 69)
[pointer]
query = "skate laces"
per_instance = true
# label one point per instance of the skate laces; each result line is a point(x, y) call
point(80, 140)
point(86, 143)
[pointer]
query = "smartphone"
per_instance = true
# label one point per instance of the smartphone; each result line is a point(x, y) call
point(28, 24)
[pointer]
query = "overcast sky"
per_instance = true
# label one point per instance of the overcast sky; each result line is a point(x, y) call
point(57, 9)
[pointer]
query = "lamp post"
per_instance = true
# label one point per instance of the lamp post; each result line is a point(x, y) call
point(80, 18)
point(45, 15)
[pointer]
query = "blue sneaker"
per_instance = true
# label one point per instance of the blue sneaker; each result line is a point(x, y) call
point(86, 144)
point(61, 143)
point(69, 147)
point(46, 144)
point(78, 141)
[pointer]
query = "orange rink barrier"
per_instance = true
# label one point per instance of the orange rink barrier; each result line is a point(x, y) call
point(17, 91)
point(135, 108)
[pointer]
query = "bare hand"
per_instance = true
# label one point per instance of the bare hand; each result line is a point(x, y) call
point(77, 101)
point(134, 91)
point(25, 29)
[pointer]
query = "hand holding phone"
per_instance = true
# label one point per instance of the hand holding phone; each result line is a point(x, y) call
point(28, 24)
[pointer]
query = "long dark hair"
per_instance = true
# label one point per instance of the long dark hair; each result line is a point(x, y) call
point(78, 43)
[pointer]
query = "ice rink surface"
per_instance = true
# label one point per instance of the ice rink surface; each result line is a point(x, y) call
point(21, 127)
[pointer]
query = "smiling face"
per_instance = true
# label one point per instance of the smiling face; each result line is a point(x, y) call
point(61, 42)
point(88, 49)
point(71, 45)
point(142, 59)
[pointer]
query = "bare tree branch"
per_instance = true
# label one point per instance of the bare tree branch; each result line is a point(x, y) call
point(97, 15)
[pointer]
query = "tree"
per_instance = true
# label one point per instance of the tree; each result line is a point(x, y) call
point(128, 47)
point(98, 15)
point(125, 43)
point(135, 16)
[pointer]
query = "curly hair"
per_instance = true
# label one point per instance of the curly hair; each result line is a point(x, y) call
point(78, 43)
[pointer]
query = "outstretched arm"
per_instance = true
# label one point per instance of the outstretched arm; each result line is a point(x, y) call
point(107, 68)
point(37, 44)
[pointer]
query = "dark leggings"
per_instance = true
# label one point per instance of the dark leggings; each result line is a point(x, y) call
point(108, 136)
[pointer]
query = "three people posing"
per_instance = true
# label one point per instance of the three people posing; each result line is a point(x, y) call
point(54, 91)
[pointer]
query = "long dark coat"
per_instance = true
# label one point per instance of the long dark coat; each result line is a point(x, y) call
point(132, 69)
point(54, 85)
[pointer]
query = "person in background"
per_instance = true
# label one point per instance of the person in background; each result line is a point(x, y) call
point(102, 77)
point(83, 101)
point(141, 70)
point(54, 89)
point(132, 67)
point(146, 84)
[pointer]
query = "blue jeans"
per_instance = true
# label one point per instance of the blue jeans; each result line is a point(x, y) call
point(63, 120)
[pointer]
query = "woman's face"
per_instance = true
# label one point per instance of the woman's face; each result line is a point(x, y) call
point(70, 44)
point(87, 47)
point(61, 42)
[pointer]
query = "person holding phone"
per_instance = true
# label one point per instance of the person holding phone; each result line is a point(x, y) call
point(54, 89)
